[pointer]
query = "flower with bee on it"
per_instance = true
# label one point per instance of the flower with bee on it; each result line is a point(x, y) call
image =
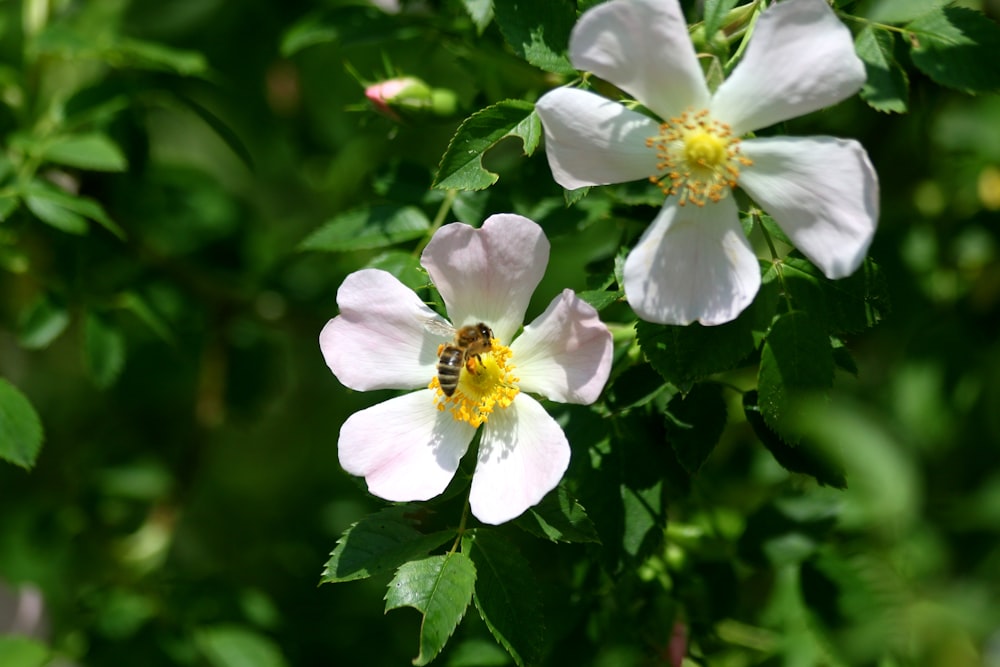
point(409, 447)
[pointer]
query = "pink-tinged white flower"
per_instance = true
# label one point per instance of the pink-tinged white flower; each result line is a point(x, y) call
point(694, 262)
point(408, 448)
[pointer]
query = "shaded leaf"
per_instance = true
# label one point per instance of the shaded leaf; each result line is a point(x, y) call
point(41, 323)
point(103, 350)
point(848, 305)
point(236, 646)
point(506, 595)
point(538, 31)
point(560, 518)
point(957, 47)
point(379, 543)
point(461, 165)
point(440, 588)
point(367, 228)
point(404, 265)
point(694, 424)
point(715, 14)
point(20, 428)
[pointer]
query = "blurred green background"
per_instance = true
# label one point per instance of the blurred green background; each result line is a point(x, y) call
point(182, 515)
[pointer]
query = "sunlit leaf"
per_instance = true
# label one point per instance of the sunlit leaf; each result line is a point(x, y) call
point(538, 31)
point(957, 47)
point(461, 166)
point(41, 323)
point(440, 588)
point(66, 211)
point(236, 646)
point(480, 11)
point(86, 151)
point(18, 651)
point(887, 86)
point(20, 428)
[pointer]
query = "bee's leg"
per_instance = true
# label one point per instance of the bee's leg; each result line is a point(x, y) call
point(469, 366)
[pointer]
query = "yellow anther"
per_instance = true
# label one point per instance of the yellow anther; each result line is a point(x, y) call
point(492, 385)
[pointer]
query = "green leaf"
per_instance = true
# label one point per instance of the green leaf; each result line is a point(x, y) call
point(103, 350)
point(16, 651)
point(899, 11)
point(439, 587)
point(538, 31)
point(228, 135)
point(20, 428)
point(802, 457)
point(138, 306)
point(139, 54)
point(683, 355)
point(797, 358)
point(67, 212)
point(636, 386)
point(506, 595)
point(957, 47)
point(404, 265)
point(560, 518)
point(887, 85)
point(461, 165)
point(601, 298)
point(847, 305)
point(235, 646)
point(694, 424)
point(480, 11)
point(379, 543)
point(8, 204)
point(41, 323)
point(85, 151)
point(715, 14)
point(367, 228)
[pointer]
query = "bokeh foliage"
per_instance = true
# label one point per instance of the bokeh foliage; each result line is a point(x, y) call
point(183, 187)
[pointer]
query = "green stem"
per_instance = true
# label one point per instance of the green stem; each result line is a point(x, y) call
point(439, 217)
point(775, 260)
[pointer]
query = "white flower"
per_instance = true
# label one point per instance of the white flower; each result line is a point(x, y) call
point(694, 262)
point(409, 447)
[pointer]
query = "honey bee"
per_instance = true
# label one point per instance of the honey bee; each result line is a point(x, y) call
point(468, 343)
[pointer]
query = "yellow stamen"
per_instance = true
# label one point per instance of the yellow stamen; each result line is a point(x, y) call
point(698, 158)
point(489, 386)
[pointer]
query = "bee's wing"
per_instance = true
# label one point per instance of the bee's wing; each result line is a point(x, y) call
point(439, 327)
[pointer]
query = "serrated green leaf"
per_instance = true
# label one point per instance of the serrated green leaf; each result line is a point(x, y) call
point(103, 350)
point(506, 595)
point(67, 212)
point(20, 428)
point(368, 228)
point(404, 265)
point(461, 165)
point(560, 518)
point(887, 86)
point(379, 543)
point(439, 587)
point(17, 651)
point(694, 424)
point(85, 151)
point(635, 387)
point(900, 11)
point(601, 298)
point(41, 323)
point(480, 11)
point(683, 355)
point(848, 305)
point(236, 646)
point(802, 457)
point(957, 47)
point(796, 358)
point(538, 31)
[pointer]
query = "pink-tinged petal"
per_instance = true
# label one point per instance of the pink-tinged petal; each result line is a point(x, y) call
point(565, 354)
point(405, 448)
point(488, 274)
point(822, 191)
point(522, 456)
point(378, 341)
point(643, 47)
point(590, 140)
point(692, 264)
point(800, 58)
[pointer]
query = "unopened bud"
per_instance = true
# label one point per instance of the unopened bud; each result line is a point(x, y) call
point(409, 98)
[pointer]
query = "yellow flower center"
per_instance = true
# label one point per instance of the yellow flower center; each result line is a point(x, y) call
point(699, 159)
point(487, 383)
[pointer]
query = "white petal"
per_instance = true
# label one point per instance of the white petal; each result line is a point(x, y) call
point(590, 140)
point(800, 58)
point(692, 263)
point(822, 191)
point(643, 47)
point(522, 456)
point(378, 341)
point(404, 448)
point(565, 354)
point(488, 274)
